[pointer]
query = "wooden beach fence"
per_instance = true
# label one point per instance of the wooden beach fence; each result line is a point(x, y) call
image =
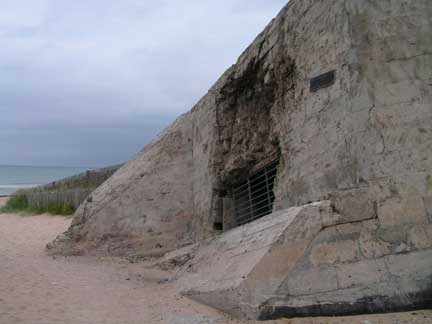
point(71, 191)
point(43, 199)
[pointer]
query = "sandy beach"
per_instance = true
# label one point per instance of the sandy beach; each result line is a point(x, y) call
point(37, 289)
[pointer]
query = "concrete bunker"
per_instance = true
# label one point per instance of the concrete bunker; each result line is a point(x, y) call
point(359, 149)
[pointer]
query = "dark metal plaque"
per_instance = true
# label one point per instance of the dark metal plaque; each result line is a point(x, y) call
point(323, 81)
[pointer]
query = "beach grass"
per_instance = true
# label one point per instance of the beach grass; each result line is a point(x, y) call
point(18, 203)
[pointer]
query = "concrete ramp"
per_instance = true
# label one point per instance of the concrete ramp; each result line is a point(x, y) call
point(241, 269)
point(320, 259)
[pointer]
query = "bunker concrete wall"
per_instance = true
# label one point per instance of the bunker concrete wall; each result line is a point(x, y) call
point(368, 133)
point(365, 143)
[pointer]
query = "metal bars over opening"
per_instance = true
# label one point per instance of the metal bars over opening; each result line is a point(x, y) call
point(254, 198)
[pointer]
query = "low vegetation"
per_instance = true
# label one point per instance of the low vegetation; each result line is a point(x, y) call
point(18, 203)
point(60, 197)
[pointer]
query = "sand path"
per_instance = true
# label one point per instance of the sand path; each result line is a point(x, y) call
point(37, 289)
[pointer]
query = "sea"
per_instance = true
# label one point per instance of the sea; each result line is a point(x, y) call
point(13, 178)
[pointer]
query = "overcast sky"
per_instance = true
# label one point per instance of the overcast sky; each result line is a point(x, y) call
point(90, 82)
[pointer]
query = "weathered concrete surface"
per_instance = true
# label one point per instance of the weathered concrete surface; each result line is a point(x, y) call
point(364, 143)
point(240, 270)
point(304, 262)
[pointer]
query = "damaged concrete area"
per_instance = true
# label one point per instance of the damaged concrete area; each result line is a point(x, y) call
point(335, 96)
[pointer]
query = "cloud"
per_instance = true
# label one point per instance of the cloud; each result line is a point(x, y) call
point(99, 64)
